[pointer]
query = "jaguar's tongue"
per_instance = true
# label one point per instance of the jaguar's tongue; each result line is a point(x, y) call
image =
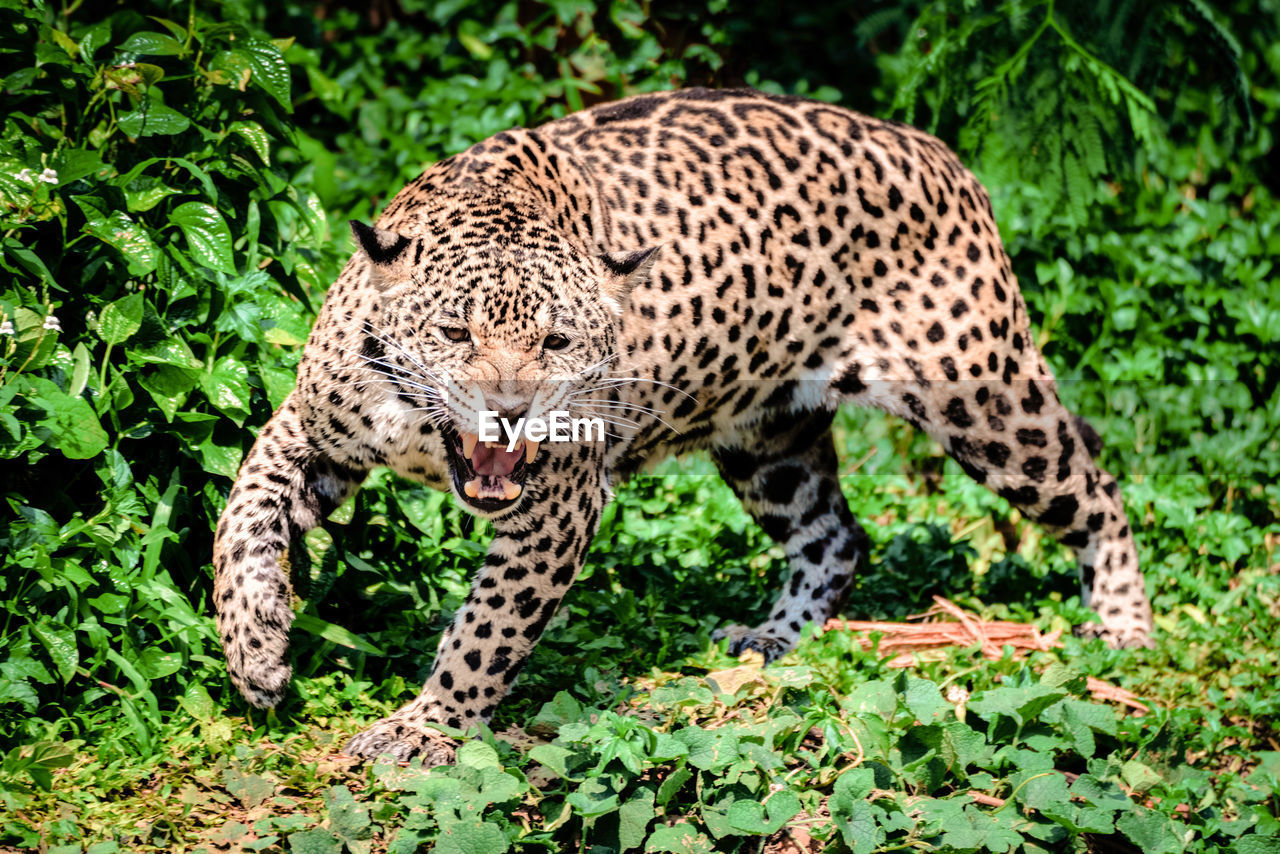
point(491, 458)
point(492, 462)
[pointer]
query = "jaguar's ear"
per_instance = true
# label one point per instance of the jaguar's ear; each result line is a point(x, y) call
point(624, 271)
point(388, 251)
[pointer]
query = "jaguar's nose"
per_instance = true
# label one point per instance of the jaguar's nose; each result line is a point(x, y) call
point(507, 406)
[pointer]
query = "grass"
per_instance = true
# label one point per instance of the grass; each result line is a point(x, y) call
point(603, 742)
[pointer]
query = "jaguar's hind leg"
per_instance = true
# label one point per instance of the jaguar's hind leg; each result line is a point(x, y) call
point(787, 478)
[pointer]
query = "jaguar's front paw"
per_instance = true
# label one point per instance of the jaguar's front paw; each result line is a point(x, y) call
point(770, 644)
point(1117, 637)
point(402, 740)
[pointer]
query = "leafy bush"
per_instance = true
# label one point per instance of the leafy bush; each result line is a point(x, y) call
point(162, 273)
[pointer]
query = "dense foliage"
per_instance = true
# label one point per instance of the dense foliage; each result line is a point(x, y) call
point(173, 180)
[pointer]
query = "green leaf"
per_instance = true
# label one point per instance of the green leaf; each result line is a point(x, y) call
point(924, 700)
point(207, 235)
point(196, 700)
point(1022, 704)
point(79, 370)
point(60, 642)
point(472, 837)
point(633, 819)
point(119, 320)
point(153, 119)
point(73, 426)
point(155, 44)
point(227, 387)
point(679, 838)
point(850, 811)
point(129, 238)
point(674, 782)
point(1140, 777)
point(270, 71)
point(314, 841)
point(257, 138)
point(750, 816)
point(1151, 831)
point(336, 634)
point(220, 459)
point(553, 757)
point(348, 818)
point(250, 789)
point(169, 387)
point(477, 754)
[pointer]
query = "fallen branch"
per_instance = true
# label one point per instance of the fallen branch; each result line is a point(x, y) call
point(948, 625)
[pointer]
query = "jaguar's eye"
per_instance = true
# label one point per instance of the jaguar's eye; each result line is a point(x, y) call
point(555, 341)
point(456, 334)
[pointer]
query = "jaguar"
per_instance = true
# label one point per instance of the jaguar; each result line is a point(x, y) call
point(709, 270)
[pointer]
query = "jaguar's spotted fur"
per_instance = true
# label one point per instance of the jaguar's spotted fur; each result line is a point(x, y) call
point(704, 269)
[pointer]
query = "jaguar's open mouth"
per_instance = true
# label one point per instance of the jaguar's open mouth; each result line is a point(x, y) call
point(486, 474)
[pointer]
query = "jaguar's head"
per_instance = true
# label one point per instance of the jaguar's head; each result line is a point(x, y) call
point(489, 317)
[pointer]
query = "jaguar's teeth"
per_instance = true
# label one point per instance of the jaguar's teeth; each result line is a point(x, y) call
point(472, 488)
point(469, 441)
point(511, 491)
point(530, 450)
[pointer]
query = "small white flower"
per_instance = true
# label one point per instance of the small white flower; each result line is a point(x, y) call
point(6, 328)
point(26, 177)
point(957, 695)
point(53, 323)
point(48, 176)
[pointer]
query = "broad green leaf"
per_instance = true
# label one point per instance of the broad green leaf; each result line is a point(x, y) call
point(873, 698)
point(220, 459)
point(314, 841)
point(72, 164)
point(348, 818)
point(633, 819)
point(471, 837)
point(155, 44)
point(336, 634)
point(1140, 777)
point(1022, 704)
point(674, 782)
point(129, 238)
point(97, 35)
point(750, 816)
point(207, 235)
point(196, 700)
point(71, 422)
point(227, 387)
point(120, 319)
point(594, 797)
point(925, 701)
point(277, 383)
point(679, 838)
point(562, 709)
point(168, 387)
point(61, 645)
point(1151, 831)
point(553, 757)
point(270, 71)
point(153, 119)
point(477, 754)
point(257, 138)
point(79, 370)
point(147, 197)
